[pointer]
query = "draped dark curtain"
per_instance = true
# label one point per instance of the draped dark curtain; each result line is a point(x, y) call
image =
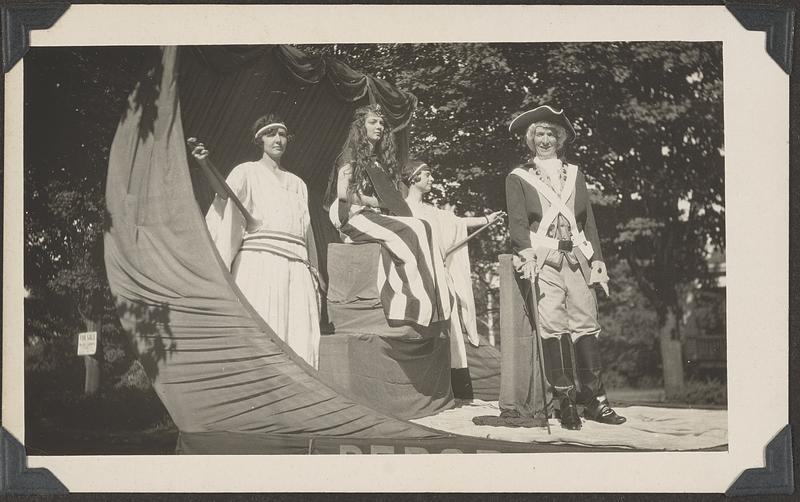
point(223, 90)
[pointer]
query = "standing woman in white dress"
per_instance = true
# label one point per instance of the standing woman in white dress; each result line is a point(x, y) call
point(273, 262)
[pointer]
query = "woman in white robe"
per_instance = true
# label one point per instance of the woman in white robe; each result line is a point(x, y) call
point(274, 261)
point(449, 230)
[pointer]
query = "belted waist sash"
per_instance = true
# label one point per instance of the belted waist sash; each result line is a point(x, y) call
point(578, 249)
point(578, 241)
point(289, 246)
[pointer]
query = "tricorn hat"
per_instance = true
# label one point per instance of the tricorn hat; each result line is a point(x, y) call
point(543, 113)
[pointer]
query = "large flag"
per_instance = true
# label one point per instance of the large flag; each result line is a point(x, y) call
point(411, 276)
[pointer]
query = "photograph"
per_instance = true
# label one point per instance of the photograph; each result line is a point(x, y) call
point(179, 231)
point(516, 244)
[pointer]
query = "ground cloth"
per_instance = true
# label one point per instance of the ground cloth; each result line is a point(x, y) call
point(647, 428)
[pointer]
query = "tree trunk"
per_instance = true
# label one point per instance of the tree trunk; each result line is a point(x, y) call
point(91, 380)
point(490, 317)
point(671, 355)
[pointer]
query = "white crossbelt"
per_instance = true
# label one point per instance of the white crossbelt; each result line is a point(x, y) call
point(558, 205)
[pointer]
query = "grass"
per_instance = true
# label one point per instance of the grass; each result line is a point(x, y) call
point(632, 395)
point(696, 394)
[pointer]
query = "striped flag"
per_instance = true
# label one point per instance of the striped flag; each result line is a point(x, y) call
point(411, 275)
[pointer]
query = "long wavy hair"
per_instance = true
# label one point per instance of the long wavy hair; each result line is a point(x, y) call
point(357, 149)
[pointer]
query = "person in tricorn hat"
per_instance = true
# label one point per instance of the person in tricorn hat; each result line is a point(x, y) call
point(554, 235)
point(449, 231)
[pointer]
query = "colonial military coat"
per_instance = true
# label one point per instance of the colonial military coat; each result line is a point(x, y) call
point(526, 207)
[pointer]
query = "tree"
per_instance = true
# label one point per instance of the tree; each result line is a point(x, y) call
point(74, 99)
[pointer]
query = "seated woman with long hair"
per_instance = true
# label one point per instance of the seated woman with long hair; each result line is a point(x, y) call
point(411, 276)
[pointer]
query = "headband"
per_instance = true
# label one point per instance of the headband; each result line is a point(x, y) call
point(418, 169)
point(270, 126)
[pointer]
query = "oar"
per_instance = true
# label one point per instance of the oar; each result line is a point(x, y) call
point(468, 238)
point(219, 185)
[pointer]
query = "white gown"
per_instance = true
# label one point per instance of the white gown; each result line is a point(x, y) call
point(282, 290)
point(448, 229)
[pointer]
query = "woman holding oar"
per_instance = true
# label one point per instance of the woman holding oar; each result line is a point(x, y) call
point(269, 247)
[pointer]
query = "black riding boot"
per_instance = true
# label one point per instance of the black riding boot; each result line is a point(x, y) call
point(558, 367)
point(593, 393)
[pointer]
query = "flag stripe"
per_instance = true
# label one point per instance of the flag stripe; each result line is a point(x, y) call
point(408, 269)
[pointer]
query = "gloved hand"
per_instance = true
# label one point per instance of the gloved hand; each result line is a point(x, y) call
point(599, 275)
point(527, 265)
point(199, 151)
point(494, 216)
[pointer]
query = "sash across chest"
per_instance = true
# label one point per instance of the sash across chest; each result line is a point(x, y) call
point(558, 205)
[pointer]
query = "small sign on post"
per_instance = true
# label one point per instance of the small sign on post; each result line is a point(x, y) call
point(87, 343)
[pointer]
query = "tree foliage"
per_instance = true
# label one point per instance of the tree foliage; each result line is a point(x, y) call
point(74, 99)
